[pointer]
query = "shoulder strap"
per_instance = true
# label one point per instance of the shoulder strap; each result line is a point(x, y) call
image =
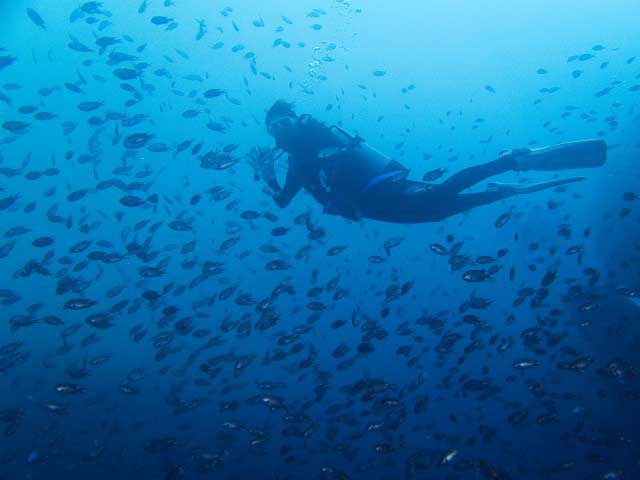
point(352, 141)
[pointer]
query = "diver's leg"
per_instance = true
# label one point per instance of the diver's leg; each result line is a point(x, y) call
point(466, 201)
point(403, 201)
point(580, 154)
point(416, 202)
point(470, 176)
point(426, 206)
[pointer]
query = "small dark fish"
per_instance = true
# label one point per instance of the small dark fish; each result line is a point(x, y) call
point(15, 126)
point(77, 195)
point(43, 116)
point(132, 201)
point(549, 278)
point(36, 18)
point(228, 243)
point(279, 231)
point(119, 57)
point(438, 249)
point(336, 250)
point(484, 260)
point(55, 407)
point(126, 73)
point(100, 359)
point(99, 320)
point(79, 303)
point(137, 140)
point(160, 20)
point(80, 247)
point(474, 276)
point(6, 248)
point(16, 231)
point(250, 215)
point(196, 148)
point(76, 45)
point(182, 146)
point(216, 127)
point(7, 202)
point(502, 220)
point(277, 265)
point(392, 243)
point(41, 242)
point(8, 297)
point(89, 106)
point(214, 92)
point(52, 320)
point(68, 388)
point(27, 109)
point(190, 113)
point(232, 147)
point(202, 29)
point(158, 147)
point(180, 226)
point(6, 60)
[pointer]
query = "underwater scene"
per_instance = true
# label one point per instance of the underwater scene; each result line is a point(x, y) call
point(320, 239)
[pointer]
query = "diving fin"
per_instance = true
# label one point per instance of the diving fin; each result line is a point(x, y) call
point(563, 156)
point(516, 188)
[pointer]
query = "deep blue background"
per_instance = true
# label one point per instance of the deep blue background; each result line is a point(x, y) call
point(431, 108)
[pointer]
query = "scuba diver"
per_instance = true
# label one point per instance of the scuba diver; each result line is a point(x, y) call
point(351, 179)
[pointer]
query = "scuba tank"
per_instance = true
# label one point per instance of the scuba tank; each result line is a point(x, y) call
point(350, 169)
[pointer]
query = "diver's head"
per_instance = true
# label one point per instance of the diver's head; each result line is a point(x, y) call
point(281, 123)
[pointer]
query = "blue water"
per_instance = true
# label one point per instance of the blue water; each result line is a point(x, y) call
point(163, 346)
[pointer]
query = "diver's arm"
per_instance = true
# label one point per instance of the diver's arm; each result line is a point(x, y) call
point(293, 183)
point(292, 186)
point(272, 183)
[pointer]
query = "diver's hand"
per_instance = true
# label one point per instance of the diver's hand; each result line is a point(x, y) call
point(275, 194)
point(262, 161)
point(269, 192)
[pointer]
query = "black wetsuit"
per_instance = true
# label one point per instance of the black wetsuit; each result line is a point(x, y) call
point(304, 163)
point(394, 199)
point(407, 201)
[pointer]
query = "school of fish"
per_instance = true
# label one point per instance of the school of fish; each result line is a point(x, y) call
point(163, 319)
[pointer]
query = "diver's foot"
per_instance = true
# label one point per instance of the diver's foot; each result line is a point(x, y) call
point(508, 188)
point(515, 188)
point(495, 187)
point(569, 155)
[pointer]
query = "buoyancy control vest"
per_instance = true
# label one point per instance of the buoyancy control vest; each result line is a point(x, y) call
point(351, 169)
